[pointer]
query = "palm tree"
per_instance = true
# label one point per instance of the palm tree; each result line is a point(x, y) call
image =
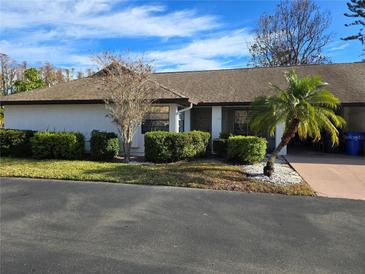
point(305, 107)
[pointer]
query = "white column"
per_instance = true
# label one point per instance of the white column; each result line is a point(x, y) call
point(187, 119)
point(174, 119)
point(216, 121)
point(278, 134)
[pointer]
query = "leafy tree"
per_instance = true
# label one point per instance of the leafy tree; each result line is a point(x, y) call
point(32, 80)
point(305, 107)
point(357, 9)
point(294, 34)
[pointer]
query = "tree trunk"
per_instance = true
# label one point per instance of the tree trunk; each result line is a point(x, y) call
point(287, 136)
point(127, 151)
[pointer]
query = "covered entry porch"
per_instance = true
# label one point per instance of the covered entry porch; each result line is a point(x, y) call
point(225, 119)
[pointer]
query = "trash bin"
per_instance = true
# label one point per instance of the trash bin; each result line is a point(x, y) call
point(354, 142)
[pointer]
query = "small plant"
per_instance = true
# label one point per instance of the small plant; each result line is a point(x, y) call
point(220, 147)
point(104, 145)
point(15, 142)
point(58, 145)
point(246, 149)
point(220, 144)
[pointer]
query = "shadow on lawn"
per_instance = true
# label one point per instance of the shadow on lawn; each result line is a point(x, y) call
point(193, 174)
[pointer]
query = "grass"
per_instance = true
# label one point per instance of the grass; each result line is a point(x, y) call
point(196, 174)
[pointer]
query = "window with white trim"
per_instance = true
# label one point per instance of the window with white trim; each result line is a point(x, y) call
point(156, 119)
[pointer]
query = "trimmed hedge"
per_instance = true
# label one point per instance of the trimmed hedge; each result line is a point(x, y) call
point(246, 149)
point(58, 145)
point(15, 142)
point(162, 146)
point(103, 145)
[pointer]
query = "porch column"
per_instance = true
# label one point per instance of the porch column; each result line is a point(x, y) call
point(187, 126)
point(278, 134)
point(216, 121)
point(174, 119)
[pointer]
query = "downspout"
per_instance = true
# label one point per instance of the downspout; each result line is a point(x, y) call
point(185, 109)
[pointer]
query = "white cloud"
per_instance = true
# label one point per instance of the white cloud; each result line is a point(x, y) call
point(209, 53)
point(337, 46)
point(60, 55)
point(56, 31)
point(101, 19)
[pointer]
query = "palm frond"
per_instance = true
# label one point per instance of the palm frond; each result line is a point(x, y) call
point(307, 100)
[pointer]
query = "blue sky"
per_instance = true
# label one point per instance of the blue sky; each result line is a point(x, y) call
point(175, 35)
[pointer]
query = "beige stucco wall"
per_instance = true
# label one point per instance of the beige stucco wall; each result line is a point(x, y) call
point(355, 118)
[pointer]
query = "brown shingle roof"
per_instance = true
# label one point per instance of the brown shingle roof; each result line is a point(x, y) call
point(347, 81)
point(81, 90)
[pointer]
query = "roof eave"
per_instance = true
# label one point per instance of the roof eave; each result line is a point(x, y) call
point(181, 101)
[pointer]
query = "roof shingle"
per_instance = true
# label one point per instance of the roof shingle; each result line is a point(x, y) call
point(346, 81)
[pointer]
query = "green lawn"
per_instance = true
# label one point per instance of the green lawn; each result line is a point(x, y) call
point(197, 174)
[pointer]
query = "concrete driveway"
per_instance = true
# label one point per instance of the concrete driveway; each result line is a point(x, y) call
point(332, 175)
point(69, 227)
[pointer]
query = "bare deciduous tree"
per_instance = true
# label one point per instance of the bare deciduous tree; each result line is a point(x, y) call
point(80, 75)
point(129, 93)
point(48, 74)
point(295, 34)
point(8, 74)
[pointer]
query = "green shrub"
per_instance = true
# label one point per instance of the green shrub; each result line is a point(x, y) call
point(58, 145)
point(104, 145)
point(220, 144)
point(225, 135)
point(200, 141)
point(246, 149)
point(15, 142)
point(158, 146)
point(162, 146)
point(220, 147)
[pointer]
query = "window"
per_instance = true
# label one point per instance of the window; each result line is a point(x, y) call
point(156, 119)
point(241, 122)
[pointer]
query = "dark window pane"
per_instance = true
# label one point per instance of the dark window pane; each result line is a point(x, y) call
point(241, 122)
point(156, 119)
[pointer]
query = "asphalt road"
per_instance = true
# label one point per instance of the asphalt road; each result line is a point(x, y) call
point(69, 227)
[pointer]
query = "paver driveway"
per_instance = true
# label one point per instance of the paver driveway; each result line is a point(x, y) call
point(332, 175)
point(69, 227)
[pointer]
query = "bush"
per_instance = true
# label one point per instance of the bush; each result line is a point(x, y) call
point(15, 142)
point(104, 145)
point(162, 146)
point(220, 144)
point(200, 141)
point(225, 135)
point(220, 147)
point(246, 149)
point(58, 145)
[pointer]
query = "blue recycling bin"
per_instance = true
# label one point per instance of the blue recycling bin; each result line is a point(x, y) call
point(354, 142)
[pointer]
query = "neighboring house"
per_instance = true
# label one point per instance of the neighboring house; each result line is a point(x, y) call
point(215, 101)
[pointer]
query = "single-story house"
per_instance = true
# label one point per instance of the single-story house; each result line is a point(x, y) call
point(213, 100)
